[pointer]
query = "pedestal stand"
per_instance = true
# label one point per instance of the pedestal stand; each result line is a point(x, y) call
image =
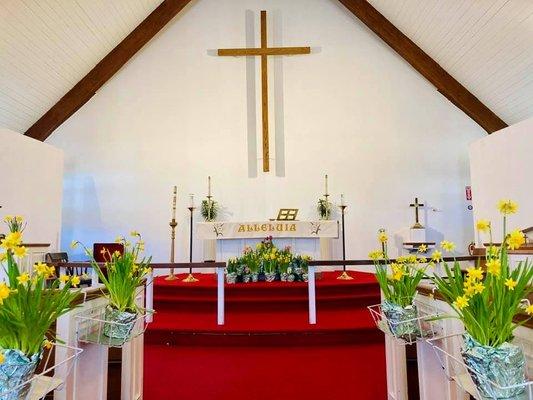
point(344, 276)
point(190, 278)
point(173, 224)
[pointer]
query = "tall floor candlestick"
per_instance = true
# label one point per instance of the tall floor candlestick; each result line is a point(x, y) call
point(173, 224)
point(190, 278)
point(344, 276)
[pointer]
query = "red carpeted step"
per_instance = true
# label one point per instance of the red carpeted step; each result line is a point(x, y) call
point(263, 373)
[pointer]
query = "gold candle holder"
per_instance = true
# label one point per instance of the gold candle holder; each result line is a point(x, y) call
point(173, 224)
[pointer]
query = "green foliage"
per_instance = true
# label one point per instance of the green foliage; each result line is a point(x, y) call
point(488, 312)
point(209, 210)
point(30, 303)
point(124, 274)
point(324, 209)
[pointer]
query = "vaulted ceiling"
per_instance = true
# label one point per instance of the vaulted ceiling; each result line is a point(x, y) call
point(47, 46)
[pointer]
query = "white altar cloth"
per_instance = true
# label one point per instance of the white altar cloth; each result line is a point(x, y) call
point(262, 229)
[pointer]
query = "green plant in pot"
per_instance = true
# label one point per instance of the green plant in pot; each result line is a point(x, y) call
point(251, 261)
point(231, 270)
point(399, 288)
point(123, 275)
point(30, 303)
point(324, 208)
point(487, 301)
point(209, 210)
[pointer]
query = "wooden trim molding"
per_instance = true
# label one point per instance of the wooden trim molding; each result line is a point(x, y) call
point(105, 69)
point(447, 85)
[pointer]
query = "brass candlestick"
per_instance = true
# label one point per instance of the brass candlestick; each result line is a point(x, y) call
point(344, 276)
point(173, 224)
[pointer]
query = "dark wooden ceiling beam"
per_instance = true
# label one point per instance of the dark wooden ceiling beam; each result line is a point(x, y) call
point(105, 69)
point(425, 65)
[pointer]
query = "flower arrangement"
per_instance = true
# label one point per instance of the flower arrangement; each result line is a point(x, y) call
point(324, 208)
point(486, 301)
point(209, 210)
point(30, 303)
point(400, 286)
point(267, 262)
point(122, 275)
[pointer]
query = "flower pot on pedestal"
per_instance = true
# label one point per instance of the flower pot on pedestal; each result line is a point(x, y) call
point(16, 369)
point(120, 324)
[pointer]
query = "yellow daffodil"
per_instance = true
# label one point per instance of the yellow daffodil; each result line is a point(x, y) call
point(11, 241)
point(494, 267)
point(74, 244)
point(19, 219)
point(47, 344)
point(20, 252)
point(461, 302)
point(436, 256)
point(8, 218)
point(382, 237)
point(2, 358)
point(375, 255)
point(475, 273)
point(515, 239)
point(483, 225)
point(398, 275)
point(3, 257)
point(23, 278)
point(478, 287)
point(492, 251)
point(135, 234)
point(119, 239)
point(422, 248)
point(64, 278)
point(529, 309)
point(41, 268)
point(401, 259)
point(447, 246)
point(412, 259)
point(4, 292)
point(507, 206)
point(470, 290)
point(511, 284)
point(423, 260)
point(75, 281)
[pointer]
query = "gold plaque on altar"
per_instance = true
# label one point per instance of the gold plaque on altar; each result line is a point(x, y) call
point(287, 214)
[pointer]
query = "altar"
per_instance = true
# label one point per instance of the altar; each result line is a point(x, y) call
point(223, 240)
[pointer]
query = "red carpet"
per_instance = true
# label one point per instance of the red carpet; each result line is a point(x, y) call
point(266, 349)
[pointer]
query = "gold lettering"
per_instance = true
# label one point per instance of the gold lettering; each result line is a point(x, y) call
point(264, 227)
point(249, 228)
point(293, 227)
point(241, 228)
point(279, 227)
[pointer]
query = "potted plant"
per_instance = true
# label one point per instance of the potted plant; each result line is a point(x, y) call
point(30, 303)
point(299, 267)
point(324, 208)
point(486, 301)
point(122, 275)
point(251, 261)
point(399, 288)
point(231, 271)
point(209, 210)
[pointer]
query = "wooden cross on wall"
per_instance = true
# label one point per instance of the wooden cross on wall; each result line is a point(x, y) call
point(264, 51)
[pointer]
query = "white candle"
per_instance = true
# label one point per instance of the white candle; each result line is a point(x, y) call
point(192, 200)
point(326, 184)
point(209, 186)
point(342, 199)
point(174, 197)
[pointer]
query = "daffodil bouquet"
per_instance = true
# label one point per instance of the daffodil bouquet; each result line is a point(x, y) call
point(486, 301)
point(400, 286)
point(123, 273)
point(30, 302)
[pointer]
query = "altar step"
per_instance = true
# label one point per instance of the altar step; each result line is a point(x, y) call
point(264, 314)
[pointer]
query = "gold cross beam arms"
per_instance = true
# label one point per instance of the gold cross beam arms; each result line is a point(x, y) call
point(269, 51)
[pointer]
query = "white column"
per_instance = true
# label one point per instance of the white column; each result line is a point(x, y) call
point(150, 296)
point(220, 295)
point(312, 295)
point(210, 250)
point(325, 248)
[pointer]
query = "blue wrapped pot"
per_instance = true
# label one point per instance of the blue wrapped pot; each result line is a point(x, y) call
point(16, 369)
point(402, 321)
point(122, 326)
point(504, 365)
